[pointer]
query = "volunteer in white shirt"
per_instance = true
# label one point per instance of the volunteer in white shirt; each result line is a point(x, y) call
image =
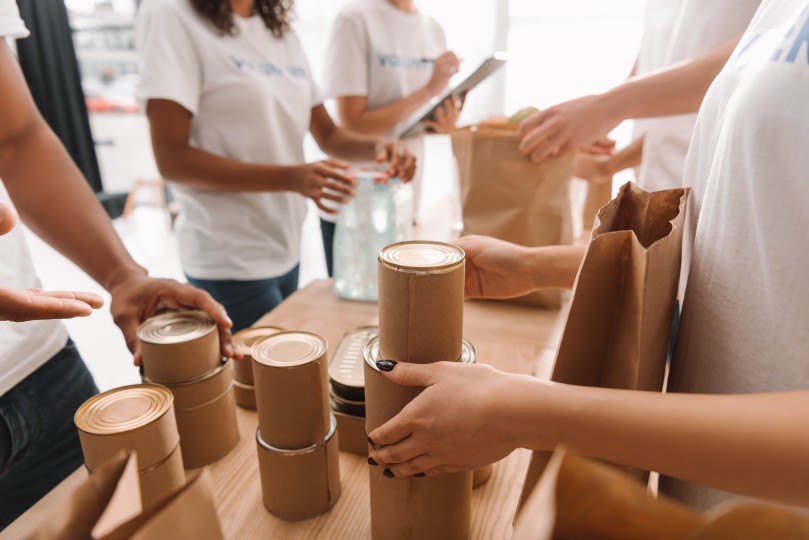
point(42, 377)
point(734, 420)
point(230, 95)
point(385, 60)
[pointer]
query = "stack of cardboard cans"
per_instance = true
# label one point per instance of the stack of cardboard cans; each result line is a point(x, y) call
point(298, 447)
point(139, 418)
point(181, 352)
point(243, 385)
point(421, 291)
point(347, 391)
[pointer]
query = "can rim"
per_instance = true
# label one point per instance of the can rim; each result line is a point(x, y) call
point(244, 386)
point(318, 352)
point(412, 269)
point(298, 451)
point(80, 417)
point(223, 364)
point(469, 354)
point(200, 316)
point(245, 332)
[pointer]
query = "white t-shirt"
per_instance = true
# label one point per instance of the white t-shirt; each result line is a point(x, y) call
point(381, 52)
point(24, 347)
point(698, 27)
point(251, 96)
point(745, 314)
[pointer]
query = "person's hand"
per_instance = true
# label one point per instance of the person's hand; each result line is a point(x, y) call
point(324, 180)
point(17, 305)
point(444, 67)
point(601, 147)
point(8, 218)
point(454, 424)
point(495, 268)
point(401, 162)
point(446, 116)
point(137, 297)
point(593, 168)
point(566, 127)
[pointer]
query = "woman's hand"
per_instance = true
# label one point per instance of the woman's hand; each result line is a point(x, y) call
point(35, 304)
point(444, 68)
point(495, 268)
point(446, 116)
point(402, 163)
point(324, 180)
point(459, 422)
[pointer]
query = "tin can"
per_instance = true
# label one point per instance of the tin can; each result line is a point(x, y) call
point(353, 438)
point(302, 483)
point(346, 371)
point(243, 341)
point(178, 346)
point(139, 418)
point(421, 292)
point(245, 395)
point(290, 370)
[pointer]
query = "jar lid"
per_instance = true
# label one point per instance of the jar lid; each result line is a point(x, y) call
point(176, 327)
point(288, 349)
point(243, 340)
point(421, 256)
point(123, 409)
point(345, 368)
point(469, 355)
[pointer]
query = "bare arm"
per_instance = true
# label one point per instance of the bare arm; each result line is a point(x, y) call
point(599, 169)
point(675, 90)
point(751, 444)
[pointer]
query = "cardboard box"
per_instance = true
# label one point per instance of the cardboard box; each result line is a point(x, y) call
point(178, 346)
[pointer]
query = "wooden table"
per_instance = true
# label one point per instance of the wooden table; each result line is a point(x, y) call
point(510, 337)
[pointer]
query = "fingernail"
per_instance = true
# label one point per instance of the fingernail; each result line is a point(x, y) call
point(373, 444)
point(420, 475)
point(389, 473)
point(386, 365)
point(372, 462)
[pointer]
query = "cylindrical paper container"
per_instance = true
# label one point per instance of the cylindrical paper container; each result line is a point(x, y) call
point(140, 418)
point(303, 483)
point(206, 417)
point(245, 395)
point(178, 346)
point(421, 287)
point(243, 342)
point(355, 408)
point(291, 378)
point(353, 438)
point(481, 476)
point(346, 365)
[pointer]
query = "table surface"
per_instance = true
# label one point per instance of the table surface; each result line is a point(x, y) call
point(510, 337)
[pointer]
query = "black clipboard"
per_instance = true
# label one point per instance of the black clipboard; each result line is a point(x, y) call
point(413, 126)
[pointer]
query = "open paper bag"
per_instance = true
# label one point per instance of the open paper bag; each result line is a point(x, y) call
point(507, 196)
point(107, 506)
point(617, 331)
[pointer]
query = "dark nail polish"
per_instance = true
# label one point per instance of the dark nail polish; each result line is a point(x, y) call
point(389, 473)
point(373, 444)
point(420, 475)
point(372, 462)
point(386, 365)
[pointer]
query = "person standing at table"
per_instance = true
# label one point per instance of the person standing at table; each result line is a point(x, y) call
point(386, 59)
point(43, 379)
point(229, 96)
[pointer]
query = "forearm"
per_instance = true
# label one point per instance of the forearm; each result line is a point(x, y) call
point(627, 157)
point(339, 142)
point(554, 267)
point(382, 119)
point(752, 444)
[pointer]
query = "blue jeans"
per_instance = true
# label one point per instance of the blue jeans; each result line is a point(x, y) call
point(39, 444)
point(248, 301)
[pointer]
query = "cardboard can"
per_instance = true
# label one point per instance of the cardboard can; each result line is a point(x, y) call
point(139, 418)
point(178, 346)
point(303, 483)
point(421, 291)
point(243, 341)
point(481, 476)
point(290, 370)
point(245, 395)
point(353, 438)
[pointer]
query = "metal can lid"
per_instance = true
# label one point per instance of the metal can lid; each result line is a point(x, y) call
point(421, 256)
point(297, 451)
point(243, 340)
point(176, 327)
point(345, 367)
point(469, 355)
point(288, 349)
point(123, 409)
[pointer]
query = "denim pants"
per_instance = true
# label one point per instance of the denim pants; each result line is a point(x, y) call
point(248, 301)
point(39, 444)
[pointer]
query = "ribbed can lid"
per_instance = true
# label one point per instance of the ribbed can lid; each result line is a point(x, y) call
point(421, 256)
point(345, 367)
point(243, 340)
point(176, 327)
point(288, 349)
point(123, 409)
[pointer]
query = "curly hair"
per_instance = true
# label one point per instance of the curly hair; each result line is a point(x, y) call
point(275, 13)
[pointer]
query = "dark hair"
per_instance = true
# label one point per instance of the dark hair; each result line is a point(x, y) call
point(276, 14)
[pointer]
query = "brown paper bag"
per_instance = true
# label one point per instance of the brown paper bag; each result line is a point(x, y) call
point(107, 506)
point(578, 498)
point(505, 195)
point(617, 331)
point(743, 521)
